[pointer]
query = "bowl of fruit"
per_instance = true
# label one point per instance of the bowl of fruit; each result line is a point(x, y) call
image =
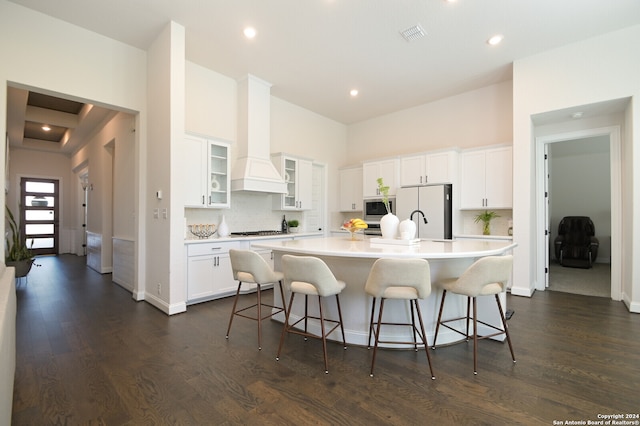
point(354, 225)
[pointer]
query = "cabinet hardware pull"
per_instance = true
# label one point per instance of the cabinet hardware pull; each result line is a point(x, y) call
point(203, 200)
point(216, 248)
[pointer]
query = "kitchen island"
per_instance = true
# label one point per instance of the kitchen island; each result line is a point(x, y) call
point(351, 262)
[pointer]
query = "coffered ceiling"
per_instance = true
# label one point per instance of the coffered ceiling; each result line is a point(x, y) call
point(51, 123)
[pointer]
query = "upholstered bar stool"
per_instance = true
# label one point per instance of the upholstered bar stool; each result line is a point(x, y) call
point(250, 268)
point(404, 279)
point(487, 276)
point(312, 277)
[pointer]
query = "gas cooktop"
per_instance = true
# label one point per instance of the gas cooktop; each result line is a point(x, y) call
point(254, 233)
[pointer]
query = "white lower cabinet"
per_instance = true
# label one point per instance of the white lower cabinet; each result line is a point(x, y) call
point(209, 273)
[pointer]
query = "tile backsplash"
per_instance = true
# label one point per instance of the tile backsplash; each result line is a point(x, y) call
point(250, 211)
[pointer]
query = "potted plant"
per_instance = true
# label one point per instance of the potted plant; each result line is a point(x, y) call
point(18, 254)
point(486, 218)
point(293, 225)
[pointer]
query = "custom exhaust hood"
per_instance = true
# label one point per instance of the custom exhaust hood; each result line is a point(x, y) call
point(254, 170)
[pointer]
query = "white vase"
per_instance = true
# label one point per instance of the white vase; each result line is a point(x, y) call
point(389, 226)
point(223, 228)
point(407, 229)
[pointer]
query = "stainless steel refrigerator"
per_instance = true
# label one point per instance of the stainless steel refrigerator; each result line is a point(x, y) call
point(430, 207)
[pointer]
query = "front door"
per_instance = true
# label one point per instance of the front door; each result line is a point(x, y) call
point(39, 214)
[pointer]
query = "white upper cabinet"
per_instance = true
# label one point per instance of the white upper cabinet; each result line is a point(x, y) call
point(207, 172)
point(351, 189)
point(487, 179)
point(438, 167)
point(372, 170)
point(298, 175)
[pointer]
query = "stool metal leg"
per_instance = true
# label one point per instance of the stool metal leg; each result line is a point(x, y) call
point(233, 310)
point(324, 336)
point(371, 323)
point(424, 337)
point(506, 330)
point(285, 327)
point(413, 326)
point(435, 337)
point(475, 336)
point(377, 336)
point(344, 339)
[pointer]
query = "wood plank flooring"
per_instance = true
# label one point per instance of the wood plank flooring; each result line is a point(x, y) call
point(87, 353)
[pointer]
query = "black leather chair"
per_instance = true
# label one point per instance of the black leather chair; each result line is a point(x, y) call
point(576, 245)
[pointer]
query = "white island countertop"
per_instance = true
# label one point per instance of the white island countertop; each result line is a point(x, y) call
point(351, 261)
point(426, 249)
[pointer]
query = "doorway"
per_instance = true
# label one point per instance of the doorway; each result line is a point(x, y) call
point(40, 214)
point(579, 176)
point(545, 238)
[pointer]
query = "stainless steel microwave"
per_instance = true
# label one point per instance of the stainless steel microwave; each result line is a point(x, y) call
point(374, 209)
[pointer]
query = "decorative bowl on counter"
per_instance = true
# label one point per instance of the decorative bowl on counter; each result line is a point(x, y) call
point(355, 225)
point(202, 230)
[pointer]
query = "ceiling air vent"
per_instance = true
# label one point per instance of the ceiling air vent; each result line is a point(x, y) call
point(413, 33)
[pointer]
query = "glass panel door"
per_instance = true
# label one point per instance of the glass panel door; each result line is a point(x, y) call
point(39, 214)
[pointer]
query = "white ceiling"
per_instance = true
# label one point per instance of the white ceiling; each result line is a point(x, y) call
point(315, 51)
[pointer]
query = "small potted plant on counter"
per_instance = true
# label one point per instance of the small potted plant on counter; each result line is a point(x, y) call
point(486, 218)
point(293, 226)
point(18, 254)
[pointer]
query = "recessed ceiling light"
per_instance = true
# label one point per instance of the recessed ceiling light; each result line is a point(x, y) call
point(354, 92)
point(250, 32)
point(496, 39)
point(46, 128)
point(576, 115)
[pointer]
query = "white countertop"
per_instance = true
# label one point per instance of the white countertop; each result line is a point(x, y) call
point(345, 247)
point(484, 237)
point(196, 240)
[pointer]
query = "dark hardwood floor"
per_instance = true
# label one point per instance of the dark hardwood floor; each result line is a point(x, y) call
point(88, 354)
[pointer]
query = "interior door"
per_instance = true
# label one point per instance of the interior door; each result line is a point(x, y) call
point(547, 216)
point(39, 214)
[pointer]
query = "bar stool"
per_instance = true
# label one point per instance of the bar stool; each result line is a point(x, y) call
point(312, 277)
point(250, 268)
point(487, 276)
point(403, 279)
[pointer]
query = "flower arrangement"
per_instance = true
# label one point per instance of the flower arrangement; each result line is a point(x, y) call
point(486, 218)
point(384, 191)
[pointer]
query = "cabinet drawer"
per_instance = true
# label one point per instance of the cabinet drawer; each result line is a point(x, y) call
point(211, 248)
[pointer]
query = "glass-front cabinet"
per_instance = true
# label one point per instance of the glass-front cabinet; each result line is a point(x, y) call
point(298, 175)
point(218, 174)
point(207, 172)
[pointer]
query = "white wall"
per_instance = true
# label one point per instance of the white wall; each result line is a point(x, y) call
point(211, 110)
point(110, 158)
point(591, 71)
point(166, 104)
point(80, 64)
point(475, 118)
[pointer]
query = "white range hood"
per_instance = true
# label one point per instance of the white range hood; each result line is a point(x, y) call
point(254, 171)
